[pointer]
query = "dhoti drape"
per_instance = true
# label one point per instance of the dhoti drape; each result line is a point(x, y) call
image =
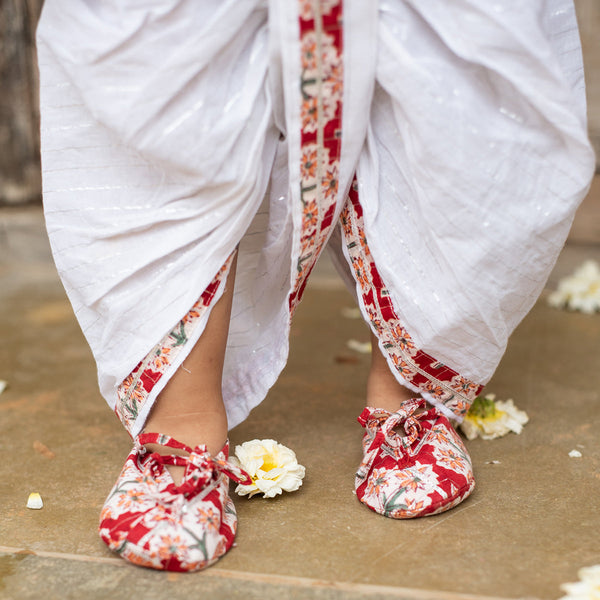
point(438, 148)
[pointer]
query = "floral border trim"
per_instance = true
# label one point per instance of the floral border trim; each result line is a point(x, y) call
point(133, 393)
point(435, 380)
point(321, 88)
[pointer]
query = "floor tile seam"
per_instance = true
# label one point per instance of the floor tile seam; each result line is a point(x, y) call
point(365, 589)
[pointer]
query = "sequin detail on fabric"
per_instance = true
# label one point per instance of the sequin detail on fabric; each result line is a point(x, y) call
point(321, 88)
point(434, 379)
point(134, 391)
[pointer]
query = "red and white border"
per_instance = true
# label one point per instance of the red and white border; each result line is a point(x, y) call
point(437, 382)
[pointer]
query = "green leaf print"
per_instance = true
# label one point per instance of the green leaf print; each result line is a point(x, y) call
point(180, 336)
point(390, 505)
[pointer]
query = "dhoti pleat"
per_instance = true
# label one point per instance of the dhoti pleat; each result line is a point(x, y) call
point(437, 148)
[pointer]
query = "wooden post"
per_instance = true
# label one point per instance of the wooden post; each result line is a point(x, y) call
point(20, 180)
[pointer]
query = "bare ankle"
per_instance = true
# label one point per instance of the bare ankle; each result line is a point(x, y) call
point(195, 428)
point(383, 390)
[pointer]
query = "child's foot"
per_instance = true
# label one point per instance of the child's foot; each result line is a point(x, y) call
point(150, 521)
point(414, 463)
point(208, 428)
point(383, 390)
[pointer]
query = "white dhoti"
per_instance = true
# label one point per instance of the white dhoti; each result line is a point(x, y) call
point(438, 148)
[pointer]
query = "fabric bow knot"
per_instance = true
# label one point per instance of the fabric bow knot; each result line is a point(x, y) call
point(200, 467)
point(408, 420)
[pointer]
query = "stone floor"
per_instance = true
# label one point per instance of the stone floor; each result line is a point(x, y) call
point(532, 521)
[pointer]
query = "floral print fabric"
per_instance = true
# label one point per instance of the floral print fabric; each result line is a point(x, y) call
point(413, 465)
point(436, 381)
point(151, 522)
point(321, 86)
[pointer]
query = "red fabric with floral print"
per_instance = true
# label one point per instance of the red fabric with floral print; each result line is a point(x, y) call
point(414, 464)
point(151, 522)
point(321, 85)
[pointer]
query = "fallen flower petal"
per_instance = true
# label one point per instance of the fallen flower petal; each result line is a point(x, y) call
point(580, 291)
point(3, 385)
point(489, 418)
point(360, 347)
point(588, 588)
point(575, 454)
point(34, 501)
point(273, 468)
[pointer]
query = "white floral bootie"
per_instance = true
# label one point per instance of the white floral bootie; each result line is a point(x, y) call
point(151, 522)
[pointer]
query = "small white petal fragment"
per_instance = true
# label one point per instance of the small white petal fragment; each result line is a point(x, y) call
point(588, 586)
point(575, 454)
point(273, 468)
point(489, 418)
point(350, 312)
point(360, 347)
point(580, 291)
point(3, 385)
point(34, 501)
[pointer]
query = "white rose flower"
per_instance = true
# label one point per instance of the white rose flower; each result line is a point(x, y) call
point(489, 418)
point(273, 468)
point(586, 589)
point(580, 291)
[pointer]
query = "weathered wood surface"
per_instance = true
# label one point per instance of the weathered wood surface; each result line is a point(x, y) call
point(19, 114)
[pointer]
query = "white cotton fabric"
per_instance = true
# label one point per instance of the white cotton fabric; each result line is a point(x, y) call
point(171, 134)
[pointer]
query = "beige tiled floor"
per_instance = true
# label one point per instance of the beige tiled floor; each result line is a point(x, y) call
point(531, 523)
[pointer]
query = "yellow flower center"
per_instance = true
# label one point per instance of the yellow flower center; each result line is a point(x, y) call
point(268, 462)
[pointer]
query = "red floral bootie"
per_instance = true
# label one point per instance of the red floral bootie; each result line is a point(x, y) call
point(150, 521)
point(413, 464)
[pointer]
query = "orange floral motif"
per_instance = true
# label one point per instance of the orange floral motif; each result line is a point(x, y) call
point(136, 394)
point(449, 458)
point(194, 313)
point(334, 83)
point(161, 357)
point(415, 479)
point(309, 162)
point(309, 113)
point(310, 214)
point(171, 546)
point(127, 499)
point(309, 51)
point(329, 182)
point(433, 389)
point(402, 338)
point(376, 482)
point(209, 518)
point(467, 386)
point(360, 272)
